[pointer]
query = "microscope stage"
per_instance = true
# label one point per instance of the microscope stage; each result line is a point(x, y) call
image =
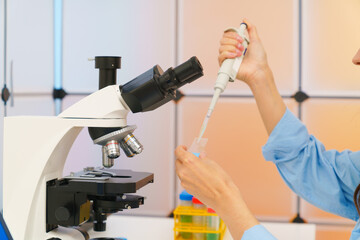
point(110, 181)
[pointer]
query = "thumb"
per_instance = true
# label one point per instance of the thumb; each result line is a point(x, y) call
point(253, 35)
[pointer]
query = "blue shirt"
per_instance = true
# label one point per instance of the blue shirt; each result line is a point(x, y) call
point(327, 179)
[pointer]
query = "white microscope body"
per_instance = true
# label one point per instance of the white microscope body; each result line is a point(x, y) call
point(36, 148)
point(35, 151)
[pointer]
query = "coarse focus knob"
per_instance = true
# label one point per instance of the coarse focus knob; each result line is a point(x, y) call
point(99, 226)
point(62, 214)
point(99, 222)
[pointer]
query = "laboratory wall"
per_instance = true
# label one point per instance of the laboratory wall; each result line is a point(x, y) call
point(305, 56)
point(1, 118)
point(309, 46)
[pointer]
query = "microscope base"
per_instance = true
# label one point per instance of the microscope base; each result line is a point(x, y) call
point(68, 200)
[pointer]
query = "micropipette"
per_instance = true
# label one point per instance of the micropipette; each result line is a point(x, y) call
point(227, 72)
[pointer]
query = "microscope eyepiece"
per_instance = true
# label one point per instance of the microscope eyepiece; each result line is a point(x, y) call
point(107, 70)
point(154, 88)
point(185, 73)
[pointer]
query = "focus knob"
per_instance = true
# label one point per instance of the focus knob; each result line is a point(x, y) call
point(62, 214)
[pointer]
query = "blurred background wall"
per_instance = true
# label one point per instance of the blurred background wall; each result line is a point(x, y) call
point(310, 45)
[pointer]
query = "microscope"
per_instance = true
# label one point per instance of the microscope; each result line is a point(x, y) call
point(40, 203)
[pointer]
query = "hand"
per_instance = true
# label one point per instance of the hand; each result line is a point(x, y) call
point(207, 181)
point(256, 73)
point(204, 178)
point(254, 65)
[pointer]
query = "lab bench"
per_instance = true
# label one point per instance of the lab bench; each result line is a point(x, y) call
point(159, 228)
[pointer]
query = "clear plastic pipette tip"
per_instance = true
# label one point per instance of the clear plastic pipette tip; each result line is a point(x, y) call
point(208, 115)
point(203, 128)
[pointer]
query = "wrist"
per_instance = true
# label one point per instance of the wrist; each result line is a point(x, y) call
point(233, 209)
point(262, 78)
point(236, 215)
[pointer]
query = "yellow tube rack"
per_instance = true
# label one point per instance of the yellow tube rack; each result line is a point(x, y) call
point(183, 227)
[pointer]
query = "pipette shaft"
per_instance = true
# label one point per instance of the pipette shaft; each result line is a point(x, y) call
point(227, 72)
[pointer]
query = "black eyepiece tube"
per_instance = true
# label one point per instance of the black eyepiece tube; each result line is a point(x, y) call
point(154, 88)
point(107, 70)
point(188, 70)
point(185, 73)
point(191, 79)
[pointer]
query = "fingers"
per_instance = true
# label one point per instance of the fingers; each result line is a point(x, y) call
point(202, 155)
point(230, 46)
point(183, 155)
point(233, 35)
point(180, 151)
point(238, 50)
point(183, 172)
point(225, 55)
point(178, 167)
point(230, 41)
point(227, 48)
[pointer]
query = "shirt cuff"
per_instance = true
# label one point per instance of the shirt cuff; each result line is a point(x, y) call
point(287, 139)
point(257, 232)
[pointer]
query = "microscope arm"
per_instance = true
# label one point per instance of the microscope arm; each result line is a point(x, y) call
point(105, 103)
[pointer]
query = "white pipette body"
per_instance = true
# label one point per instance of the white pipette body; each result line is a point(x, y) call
point(227, 72)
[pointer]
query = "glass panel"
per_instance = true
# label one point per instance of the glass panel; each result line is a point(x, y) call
point(156, 132)
point(327, 53)
point(202, 23)
point(342, 117)
point(36, 105)
point(111, 28)
point(2, 44)
point(30, 44)
point(236, 134)
point(324, 232)
point(1, 159)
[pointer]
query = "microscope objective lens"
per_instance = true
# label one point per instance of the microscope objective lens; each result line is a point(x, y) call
point(126, 149)
point(133, 144)
point(113, 149)
point(107, 162)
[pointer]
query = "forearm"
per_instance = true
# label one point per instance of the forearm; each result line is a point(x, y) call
point(235, 214)
point(238, 222)
point(269, 102)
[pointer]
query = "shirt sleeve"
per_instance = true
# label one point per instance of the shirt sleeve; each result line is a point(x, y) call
point(326, 179)
point(257, 232)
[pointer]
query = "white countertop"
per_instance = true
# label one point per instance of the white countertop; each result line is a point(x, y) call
point(157, 228)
